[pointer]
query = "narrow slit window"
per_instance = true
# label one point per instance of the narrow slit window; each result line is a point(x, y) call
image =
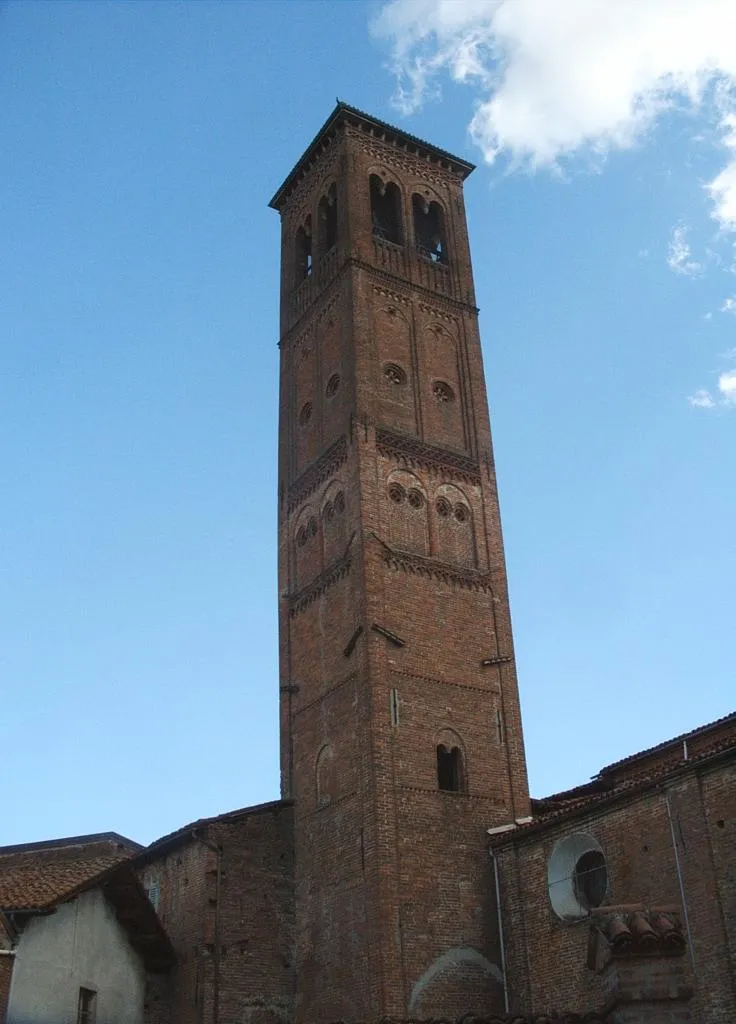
point(449, 769)
point(429, 230)
point(385, 210)
point(328, 220)
point(394, 707)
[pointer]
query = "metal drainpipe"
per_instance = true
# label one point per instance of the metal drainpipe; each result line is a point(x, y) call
point(217, 850)
point(680, 880)
point(501, 941)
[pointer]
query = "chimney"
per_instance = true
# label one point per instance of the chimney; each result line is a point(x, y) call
point(638, 952)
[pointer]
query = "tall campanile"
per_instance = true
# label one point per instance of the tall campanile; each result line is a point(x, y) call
point(401, 738)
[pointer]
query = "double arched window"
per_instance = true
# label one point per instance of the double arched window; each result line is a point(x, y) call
point(303, 250)
point(327, 221)
point(386, 210)
point(429, 229)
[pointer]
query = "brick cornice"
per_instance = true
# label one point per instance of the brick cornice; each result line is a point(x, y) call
point(304, 597)
point(411, 451)
point(419, 565)
point(319, 471)
point(436, 298)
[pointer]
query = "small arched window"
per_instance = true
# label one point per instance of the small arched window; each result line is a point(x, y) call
point(328, 220)
point(303, 250)
point(429, 229)
point(450, 769)
point(386, 210)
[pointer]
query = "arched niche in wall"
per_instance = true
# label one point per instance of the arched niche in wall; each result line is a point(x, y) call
point(306, 415)
point(307, 546)
point(441, 387)
point(395, 368)
point(332, 388)
point(325, 776)
point(406, 503)
point(454, 526)
point(333, 513)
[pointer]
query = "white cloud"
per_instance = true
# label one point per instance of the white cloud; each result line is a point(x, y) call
point(727, 387)
point(702, 399)
point(571, 76)
point(729, 306)
point(725, 397)
point(722, 189)
point(679, 253)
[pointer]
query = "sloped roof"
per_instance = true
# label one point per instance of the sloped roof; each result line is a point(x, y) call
point(123, 890)
point(721, 725)
point(188, 832)
point(605, 789)
point(34, 875)
point(36, 878)
point(343, 112)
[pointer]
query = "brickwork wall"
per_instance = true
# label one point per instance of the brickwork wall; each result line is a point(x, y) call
point(256, 903)
point(6, 972)
point(546, 956)
point(383, 402)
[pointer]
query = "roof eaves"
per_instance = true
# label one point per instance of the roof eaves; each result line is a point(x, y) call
point(628, 789)
point(683, 737)
point(113, 838)
point(158, 953)
point(343, 110)
point(188, 833)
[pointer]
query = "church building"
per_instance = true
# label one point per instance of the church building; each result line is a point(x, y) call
point(405, 873)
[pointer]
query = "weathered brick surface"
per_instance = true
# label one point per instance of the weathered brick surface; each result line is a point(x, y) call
point(247, 970)
point(546, 956)
point(6, 971)
point(392, 886)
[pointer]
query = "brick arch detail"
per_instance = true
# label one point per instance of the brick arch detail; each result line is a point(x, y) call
point(455, 541)
point(307, 558)
point(449, 962)
point(334, 533)
point(394, 341)
point(324, 775)
point(408, 528)
point(421, 188)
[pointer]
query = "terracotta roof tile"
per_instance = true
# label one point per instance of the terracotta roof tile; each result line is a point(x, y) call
point(714, 726)
point(586, 797)
point(35, 877)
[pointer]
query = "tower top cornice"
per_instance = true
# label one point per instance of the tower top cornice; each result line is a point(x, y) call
point(342, 115)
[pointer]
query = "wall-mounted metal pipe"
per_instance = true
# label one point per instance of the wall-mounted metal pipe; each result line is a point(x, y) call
point(680, 880)
point(501, 940)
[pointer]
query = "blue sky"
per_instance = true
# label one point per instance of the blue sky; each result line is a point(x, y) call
point(139, 145)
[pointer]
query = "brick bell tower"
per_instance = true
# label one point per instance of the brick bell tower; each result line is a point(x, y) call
point(401, 738)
